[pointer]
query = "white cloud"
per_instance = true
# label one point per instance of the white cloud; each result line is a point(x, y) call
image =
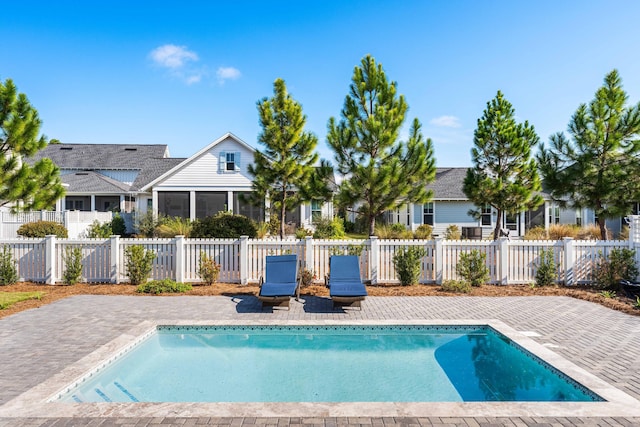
point(446, 122)
point(172, 56)
point(227, 73)
point(195, 78)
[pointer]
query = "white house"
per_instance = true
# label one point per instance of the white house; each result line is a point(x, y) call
point(132, 177)
point(451, 206)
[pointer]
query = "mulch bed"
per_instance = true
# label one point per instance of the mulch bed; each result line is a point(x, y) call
point(53, 293)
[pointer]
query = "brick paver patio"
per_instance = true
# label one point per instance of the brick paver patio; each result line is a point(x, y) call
point(36, 344)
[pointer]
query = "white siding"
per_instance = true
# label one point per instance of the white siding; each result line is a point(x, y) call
point(203, 172)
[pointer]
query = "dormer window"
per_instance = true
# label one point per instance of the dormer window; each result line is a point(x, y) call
point(230, 161)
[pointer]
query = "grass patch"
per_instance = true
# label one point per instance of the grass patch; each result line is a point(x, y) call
point(7, 299)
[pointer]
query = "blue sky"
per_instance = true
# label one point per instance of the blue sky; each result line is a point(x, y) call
point(183, 73)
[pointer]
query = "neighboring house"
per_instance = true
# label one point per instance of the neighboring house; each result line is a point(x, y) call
point(131, 177)
point(451, 206)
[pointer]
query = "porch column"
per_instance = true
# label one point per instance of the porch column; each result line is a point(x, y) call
point(154, 202)
point(230, 201)
point(122, 203)
point(192, 205)
point(93, 202)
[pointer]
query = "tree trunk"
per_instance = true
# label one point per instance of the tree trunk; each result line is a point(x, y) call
point(372, 224)
point(496, 231)
point(283, 215)
point(602, 224)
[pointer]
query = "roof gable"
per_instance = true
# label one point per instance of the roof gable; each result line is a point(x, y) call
point(228, 137)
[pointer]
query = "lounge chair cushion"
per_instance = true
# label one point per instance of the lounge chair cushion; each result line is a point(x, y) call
point(278, 289)
point(348, 289)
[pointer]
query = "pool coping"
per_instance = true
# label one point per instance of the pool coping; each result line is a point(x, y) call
point(35, 402)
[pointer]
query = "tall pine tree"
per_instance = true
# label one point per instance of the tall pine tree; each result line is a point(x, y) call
point(24, 186)
point(286, 171)
point(599, 165)
point(504, 176)
point(380, 171)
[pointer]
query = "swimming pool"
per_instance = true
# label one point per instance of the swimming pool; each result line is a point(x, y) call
point(42, 400)
point(398, 363)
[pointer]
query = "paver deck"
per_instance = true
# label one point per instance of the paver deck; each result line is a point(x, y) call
point(37, 344)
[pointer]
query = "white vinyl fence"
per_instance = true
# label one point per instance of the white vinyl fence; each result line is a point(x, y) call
point(242, 260)
point(76, 222)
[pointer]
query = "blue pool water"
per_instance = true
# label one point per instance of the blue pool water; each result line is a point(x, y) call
point(327, 364)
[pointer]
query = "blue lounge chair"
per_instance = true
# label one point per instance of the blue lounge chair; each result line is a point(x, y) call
point(344, 282)
point(280, 281)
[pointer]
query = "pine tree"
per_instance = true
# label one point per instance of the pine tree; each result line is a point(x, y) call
point(504, 176)
point(598, 167)
point(33, 186)
point(380, 171)
point(286, 172)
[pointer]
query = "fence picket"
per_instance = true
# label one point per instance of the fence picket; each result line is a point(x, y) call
point(521, 257)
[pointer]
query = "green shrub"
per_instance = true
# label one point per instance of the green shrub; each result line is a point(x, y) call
point(307, 277)
point(407, 263)
point(456, 286)
point(43, 229)
point(73, 265)
point(546, 274)
point(138, 263)
point(472, 267)
point(262, 230)
point(424, 231)
point(224, 225)
point(453, 233)
point(274, 225)
point(536, 233)
point(329, 228)
point(8, 270)
point(393, 231)
point(621, 265)
point(146, 224)
point(173, 226)
point(98, 230)
point(208, 269)
point(302, 233)
point(118, 227)
point(163, 286)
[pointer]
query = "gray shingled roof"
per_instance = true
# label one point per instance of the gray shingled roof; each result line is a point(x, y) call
point(101, 156)
point(91, 182)
point(148, 160)
point(153, 168)
point(448, 184)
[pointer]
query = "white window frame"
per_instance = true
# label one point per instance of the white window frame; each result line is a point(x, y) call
point(428, 209)
point(486, 212)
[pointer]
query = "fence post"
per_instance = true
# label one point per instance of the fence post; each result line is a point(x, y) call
point(374, 257)
point(308, 253)
point(439, 260)
point(50, 259)
point(568, 260)
point(114, 241)
point(179, 242)
point(244, 260)
point(503, 268)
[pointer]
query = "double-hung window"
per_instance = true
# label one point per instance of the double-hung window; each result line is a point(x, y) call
point(485, 215)
point(316, 210)
point(427, 213)
point(229, 161)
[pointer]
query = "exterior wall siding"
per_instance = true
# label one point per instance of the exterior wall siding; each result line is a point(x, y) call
point(204, 171)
